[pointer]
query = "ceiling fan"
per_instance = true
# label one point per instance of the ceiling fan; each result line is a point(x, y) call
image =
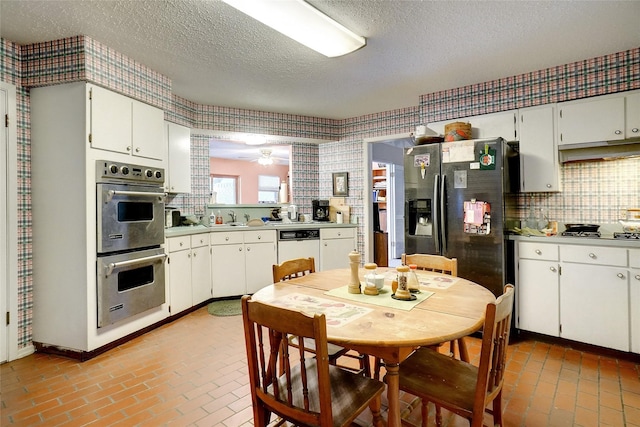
point(267, 157)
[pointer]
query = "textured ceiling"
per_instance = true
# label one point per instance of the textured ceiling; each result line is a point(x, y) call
point(215, 55)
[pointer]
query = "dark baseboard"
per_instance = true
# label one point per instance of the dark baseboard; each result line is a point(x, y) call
point(83, 356)
point(519, 335)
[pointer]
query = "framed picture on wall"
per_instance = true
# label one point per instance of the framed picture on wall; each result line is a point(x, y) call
point(340, 184)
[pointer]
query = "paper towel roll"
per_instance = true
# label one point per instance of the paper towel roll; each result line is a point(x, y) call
point(283, 193)
point(339, 217)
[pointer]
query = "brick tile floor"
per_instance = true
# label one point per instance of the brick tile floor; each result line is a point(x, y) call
point(192, 372)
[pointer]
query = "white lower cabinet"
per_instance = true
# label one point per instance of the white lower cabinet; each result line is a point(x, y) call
point(594, 295)
point(594, 303)
point(537, 291)
point(260, 256)
point(335, 245)
point(241, 261)
point(634, 299)
point(179, 273)
point(583, 293)
point(188, 271)
point(201, 289)
point(227, 264)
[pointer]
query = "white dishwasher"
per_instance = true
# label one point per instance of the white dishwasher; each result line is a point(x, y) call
point(299, 244)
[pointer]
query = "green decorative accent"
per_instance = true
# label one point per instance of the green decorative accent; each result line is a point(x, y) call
point(225, 308)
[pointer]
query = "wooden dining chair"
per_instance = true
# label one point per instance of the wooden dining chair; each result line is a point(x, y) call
point(437, 263)
point(309, 391)
point(459, 386)
point(440, 264)
point(300, 267)
point(293, 268)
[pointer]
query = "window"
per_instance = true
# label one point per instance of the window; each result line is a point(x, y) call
point(226, 189)
point(268, 187)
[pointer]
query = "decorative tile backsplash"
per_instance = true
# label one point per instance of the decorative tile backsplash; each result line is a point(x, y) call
point(593, 191)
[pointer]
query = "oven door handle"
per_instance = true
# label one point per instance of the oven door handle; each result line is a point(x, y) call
point(112, 193)
point(113, 265)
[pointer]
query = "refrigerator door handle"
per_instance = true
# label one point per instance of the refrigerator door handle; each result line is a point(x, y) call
point(443, 214)
point(436, 217)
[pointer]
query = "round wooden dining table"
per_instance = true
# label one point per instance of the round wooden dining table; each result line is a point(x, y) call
point(381, 326)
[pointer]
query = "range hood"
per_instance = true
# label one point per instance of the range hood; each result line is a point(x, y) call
point(599, 150)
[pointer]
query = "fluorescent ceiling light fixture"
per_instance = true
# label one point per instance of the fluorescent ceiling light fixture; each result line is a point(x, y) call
point(302, 22)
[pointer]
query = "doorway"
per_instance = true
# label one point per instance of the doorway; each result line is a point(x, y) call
point(8, 225)
point(384, 156)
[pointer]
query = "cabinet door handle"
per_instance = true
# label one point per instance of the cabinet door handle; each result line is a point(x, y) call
point(181, 243)
point(592, 255)
point(618, 132)
point(553, 269)
point(259, 237)
point(634, 130)
point(239, 249)
point(226, 238)
point(137, 149)
point(128, 148)
point(194, 254)
point(620, 275)
point(637, 276)
point(249, 249)
point(538, 252)
point(548, 185)
point(189, 255)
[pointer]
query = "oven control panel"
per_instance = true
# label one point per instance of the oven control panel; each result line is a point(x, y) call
point(108, 171)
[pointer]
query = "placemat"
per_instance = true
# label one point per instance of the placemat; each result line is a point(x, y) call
point(337, 313)
point(383, 298)
point(436, 281)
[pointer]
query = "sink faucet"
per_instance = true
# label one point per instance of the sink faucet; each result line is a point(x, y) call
point(247, 217)
point(232, 214)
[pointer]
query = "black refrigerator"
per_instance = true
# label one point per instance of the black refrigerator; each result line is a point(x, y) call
point(460, 198)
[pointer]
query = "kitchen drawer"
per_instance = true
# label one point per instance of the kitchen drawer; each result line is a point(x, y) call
point(226, 238)
point(634, 258)
point(535, 250)
point(594, 255)
point(179, 243)
point(262, 236)
point(199, 240)
point(337, 233)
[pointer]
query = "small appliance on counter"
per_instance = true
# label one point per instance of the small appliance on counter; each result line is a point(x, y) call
point(581, 230)
point(292, 211)
point(171, 217)
point(275, 215)
point(320, 210)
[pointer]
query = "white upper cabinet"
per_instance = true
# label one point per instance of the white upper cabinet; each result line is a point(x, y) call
point(595, 119)
point(109, 120)
point(539, 169)
point(148, 131)
point(503, 124)
point(632, 115)
point(124, 125)
point(179, 158)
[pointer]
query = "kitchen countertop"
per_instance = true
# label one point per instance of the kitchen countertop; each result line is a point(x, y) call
point(197, 229)
point(605, 240)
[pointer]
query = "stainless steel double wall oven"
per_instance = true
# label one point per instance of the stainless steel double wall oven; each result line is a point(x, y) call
point(130, 232)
